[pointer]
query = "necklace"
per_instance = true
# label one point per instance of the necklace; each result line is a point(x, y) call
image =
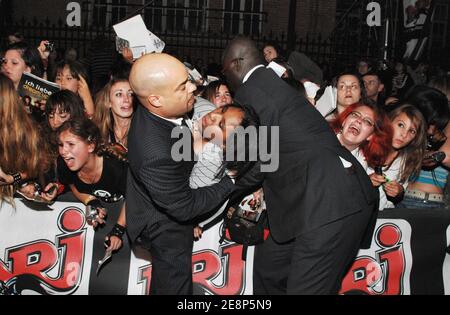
point(88, 178)
point(122, 140)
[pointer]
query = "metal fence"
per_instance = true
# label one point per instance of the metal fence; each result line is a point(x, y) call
point(337, 52)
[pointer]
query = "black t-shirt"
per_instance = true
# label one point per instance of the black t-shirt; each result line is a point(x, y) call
point(111, 186)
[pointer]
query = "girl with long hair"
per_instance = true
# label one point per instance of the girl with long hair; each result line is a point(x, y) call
point(114, 110)
point(23, 153)
point(405, 156)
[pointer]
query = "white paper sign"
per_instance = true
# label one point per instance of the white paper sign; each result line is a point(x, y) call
point(141, 40)
point(279, 70)
point(327, 103)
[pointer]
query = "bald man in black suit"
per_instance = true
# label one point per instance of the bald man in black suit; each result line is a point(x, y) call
point(160, 203)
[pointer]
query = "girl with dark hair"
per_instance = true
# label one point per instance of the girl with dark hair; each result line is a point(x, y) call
point(404, 160)
point(93, 171)
point(350, 90)
point(365, 131)
point(96, 176)
point(218, 93)
point(62, 106)
point(272, 51)
point(427, 190)
point(72, 76)
point(20, 58)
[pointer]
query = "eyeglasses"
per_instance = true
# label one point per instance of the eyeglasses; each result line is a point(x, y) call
point(366, 121)
point(227, 66)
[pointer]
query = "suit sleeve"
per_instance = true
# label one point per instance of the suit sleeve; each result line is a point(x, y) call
point(171, 191)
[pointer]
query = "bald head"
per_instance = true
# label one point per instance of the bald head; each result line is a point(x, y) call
point(151, 72)
point(161, 83)
point(240, 56)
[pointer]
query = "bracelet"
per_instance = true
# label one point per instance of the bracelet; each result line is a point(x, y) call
point(117, 230)
point(16, 178)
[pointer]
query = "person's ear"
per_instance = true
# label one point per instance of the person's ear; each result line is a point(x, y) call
point(370, 137)
point(381, 88)
point(91, 147)
point(155, 100)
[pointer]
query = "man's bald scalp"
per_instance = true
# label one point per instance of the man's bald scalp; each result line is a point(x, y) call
point(150, 72)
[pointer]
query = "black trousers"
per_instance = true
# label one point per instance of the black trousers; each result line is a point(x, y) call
point(170, 245)
point(313, 263)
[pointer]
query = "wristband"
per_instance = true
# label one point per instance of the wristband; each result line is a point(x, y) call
point(117, 230)
point(16, 178)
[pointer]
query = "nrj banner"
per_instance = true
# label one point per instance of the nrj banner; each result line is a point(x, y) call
point(52, 251)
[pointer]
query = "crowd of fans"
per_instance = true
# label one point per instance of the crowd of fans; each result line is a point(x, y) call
point(392, 116)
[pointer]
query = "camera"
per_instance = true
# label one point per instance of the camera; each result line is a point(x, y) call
point(49, 46)
point(437, 157)
point(434, 143)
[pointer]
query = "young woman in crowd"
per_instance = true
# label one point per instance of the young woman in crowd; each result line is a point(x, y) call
point(272, 51)
point(60, 107)
point(93, 171)
point(427, 190)
point(218, 93)
point(72, 76)
point(20, 58)
point(23, 153)
point(404, 160)
point(350, 90)
point(365, 131)
point(96, 176)
point(113, 112)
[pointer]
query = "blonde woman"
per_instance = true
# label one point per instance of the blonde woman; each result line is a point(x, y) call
point(23, 154)
point(114, 110)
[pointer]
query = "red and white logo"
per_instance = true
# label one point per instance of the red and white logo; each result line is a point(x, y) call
point(385, 268)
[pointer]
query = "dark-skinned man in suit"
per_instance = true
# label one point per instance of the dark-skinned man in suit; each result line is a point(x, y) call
point(320, 201)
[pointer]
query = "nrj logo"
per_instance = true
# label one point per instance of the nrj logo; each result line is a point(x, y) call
point(46, 267)
point(383, 273)
point(213, 273)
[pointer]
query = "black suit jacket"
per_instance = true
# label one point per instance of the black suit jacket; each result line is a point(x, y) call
point(157, 186)
point(311, 187)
